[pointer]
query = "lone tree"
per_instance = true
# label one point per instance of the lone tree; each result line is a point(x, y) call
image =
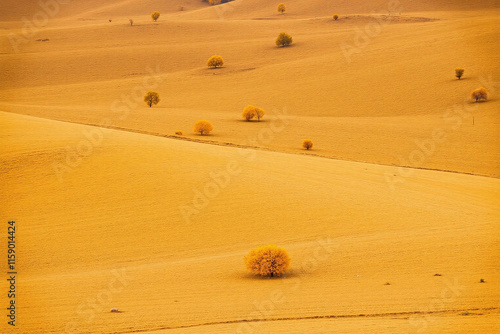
point(131, 22)
point(459, 72)
point(249, 112)
point(203, 127)
point(307, 144)
point(155, 16)
point(259, 113)
point(479, 94)
point(215, 61)
point(151, 98)
point(281, 8)
point(268, 260)
point(284, 39)
point(335, 16)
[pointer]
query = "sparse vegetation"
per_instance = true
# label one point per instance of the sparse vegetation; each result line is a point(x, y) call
point(215, 61)
point(482, 280)
point(203, 127)
point(151, 98)
point(259, 113)
point(268, 260)
point(249, 112)
point(335, 17)
point(178, 133)
point(479, 94)
point(307, 144)
point(131, 22)
point(155, 16)
point(284, 39)
point(281, 8)
point(459, 72)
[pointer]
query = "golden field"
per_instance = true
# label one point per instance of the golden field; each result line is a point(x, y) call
point(391, 219)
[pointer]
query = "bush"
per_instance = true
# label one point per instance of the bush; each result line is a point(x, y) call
point(215, 61)
point(335, 16)
point(281, 8)
point(155, 16)
point(249, 112)
point(268, 261)
point(151, 98)
point(459, 72)
point(307, 144)
point(259, 113)
point(284, 39)
point(479, 94)
point(179, 133)
point(203, 127)
point(131, 22)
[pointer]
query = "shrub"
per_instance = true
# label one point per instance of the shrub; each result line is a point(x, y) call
point(281, 8)
point(215, 61)
point(179, 133)
point(459, 72)
point(214, 2)
point(151, 98)
point(131, 22)
point(307, 144)
point(249, 112)
point(259, 113)
point(268, 261)
point(203, 127)
point(479, 94)
point(155, 16)
point(335, 16)
point(284, 39)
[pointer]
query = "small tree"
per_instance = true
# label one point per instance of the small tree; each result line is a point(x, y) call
point(131, 22)
point(249, 112)
point(459, 72)
point(281, 8)
point(155, 16)
point(259, 113)
point(268, 261)
point(479, 94)
point(335, 17)
point(284, 39)
point(307, 144)
point(151, 98)
point(203, 127)
point(215, 61)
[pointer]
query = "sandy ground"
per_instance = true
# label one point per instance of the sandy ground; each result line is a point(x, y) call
point(119, 212)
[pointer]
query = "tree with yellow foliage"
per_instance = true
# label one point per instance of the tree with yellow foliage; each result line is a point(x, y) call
point(268, 260)
point(259, 113)
point(155, 16)
point(151, 98)
point(479, 94)
point(249, 112)
point(284, 39)
point(215, 61)
point(335, 17)
point(307, 144)
point(203, 127)
point(459, 72)
point(281, 8)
